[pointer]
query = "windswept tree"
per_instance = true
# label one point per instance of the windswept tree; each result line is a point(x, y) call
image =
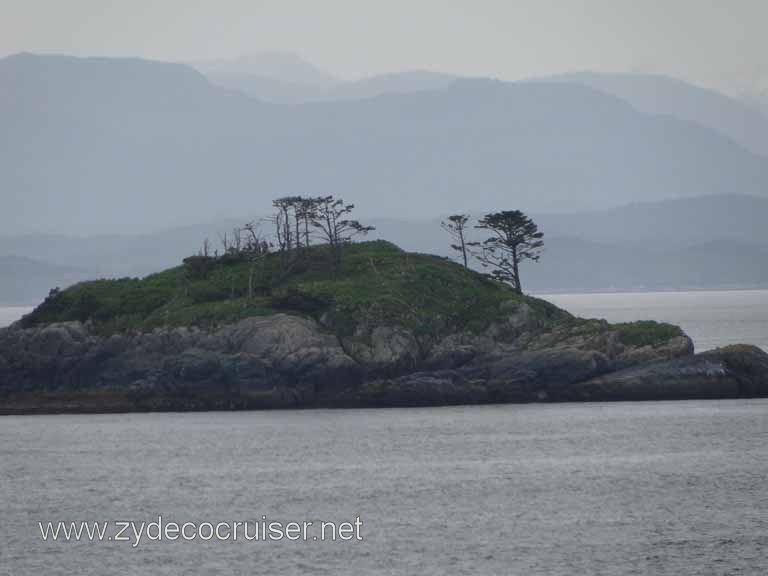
point(514, 238)
point(285, 222)
point(293, 221)
point(456, 226)
point(330, 217)
point(304, 211)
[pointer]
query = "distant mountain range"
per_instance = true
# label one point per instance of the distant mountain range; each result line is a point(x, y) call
point(638, 181)
point(743, 122)
point(758, 99)
point(99, 146)
point(279, 77)
point(286, 78)
point(281, 91)
point(284, 67)
point(24, 281)
point(712, 242)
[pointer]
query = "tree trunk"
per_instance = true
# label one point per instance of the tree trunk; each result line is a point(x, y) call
point(515, 262)
point(463, 248)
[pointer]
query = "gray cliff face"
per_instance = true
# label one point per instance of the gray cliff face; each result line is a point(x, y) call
point(563, 376)
point(258, 353)
point(731, 372)
point(287, 361)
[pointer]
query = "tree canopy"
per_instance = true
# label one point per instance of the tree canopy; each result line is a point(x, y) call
point(514, 237)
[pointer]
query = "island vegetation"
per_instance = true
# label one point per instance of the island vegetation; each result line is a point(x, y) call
point(309, 266)
point(291, 311)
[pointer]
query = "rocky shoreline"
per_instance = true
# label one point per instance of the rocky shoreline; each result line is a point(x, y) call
point(287, 361)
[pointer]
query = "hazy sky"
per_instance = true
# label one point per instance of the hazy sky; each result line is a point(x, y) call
point(716, 42)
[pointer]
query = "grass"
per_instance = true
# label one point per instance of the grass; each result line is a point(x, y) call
point(646, 332)
point(376, 283)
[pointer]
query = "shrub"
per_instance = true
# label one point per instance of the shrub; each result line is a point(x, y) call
point(646, 332)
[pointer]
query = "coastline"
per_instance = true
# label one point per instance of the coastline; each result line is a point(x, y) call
point(389, 328)
point(285, 362)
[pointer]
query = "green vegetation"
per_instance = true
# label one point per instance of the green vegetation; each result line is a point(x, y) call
point(513, 238)
point(646, 332)
point(376, 283)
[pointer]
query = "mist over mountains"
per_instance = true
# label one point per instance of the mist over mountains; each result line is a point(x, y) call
point(286, 78)
point(284, 67)
point(740, 120)
point(104, 145)
point(638, 181)
point(278, 77)
point(709, 242)
point(24, 281)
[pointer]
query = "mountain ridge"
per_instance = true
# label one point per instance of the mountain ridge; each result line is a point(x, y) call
point(709, 242)
point(665, 95)
point(98, 139)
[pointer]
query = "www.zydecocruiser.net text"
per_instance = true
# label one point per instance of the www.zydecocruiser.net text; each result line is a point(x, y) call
point(160, 530)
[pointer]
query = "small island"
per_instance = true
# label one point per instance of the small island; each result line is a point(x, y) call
point(338, 324)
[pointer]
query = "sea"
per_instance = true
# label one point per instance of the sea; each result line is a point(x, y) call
point(655, 488)
point(711, 318)
point(662, 488)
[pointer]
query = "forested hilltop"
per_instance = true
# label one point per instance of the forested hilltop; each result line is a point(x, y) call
point(303, 261)
point(305, 317)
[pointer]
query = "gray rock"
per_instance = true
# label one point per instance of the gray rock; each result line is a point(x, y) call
point(384, 349)
point(517, 318)
point(287, 361)
point(731, 372)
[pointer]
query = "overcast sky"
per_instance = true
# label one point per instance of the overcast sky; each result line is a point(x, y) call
point(714, 42)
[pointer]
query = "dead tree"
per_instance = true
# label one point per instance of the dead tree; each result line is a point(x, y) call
point(282, 222)
point(331, 220)
point(305, 210)
point(456, 226)
point(206, 249)
point(256, 249)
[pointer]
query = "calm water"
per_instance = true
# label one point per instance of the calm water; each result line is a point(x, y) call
point(673, 488)
point(711, 318)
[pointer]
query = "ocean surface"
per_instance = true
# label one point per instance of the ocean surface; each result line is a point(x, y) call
point(711, 318)
point(662, 488)
point(672, 488)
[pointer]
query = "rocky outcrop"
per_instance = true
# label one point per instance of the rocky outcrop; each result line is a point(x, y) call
point(384, 349)
point(731, 372)
point(254, 358)
point(287, 361)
